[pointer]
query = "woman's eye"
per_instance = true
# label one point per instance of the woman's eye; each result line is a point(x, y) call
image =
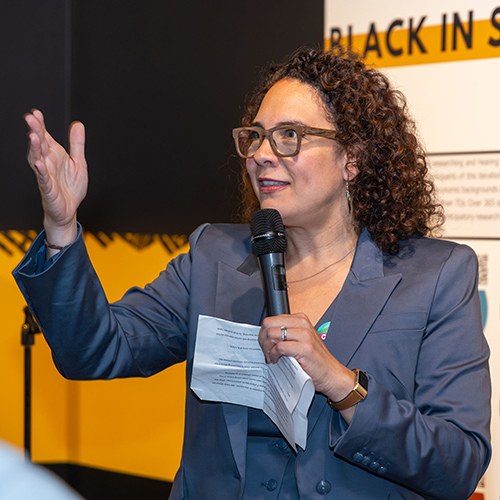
point(288, 133)
point(253, 135)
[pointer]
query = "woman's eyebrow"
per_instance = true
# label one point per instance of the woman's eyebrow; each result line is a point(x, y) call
point(282, 123)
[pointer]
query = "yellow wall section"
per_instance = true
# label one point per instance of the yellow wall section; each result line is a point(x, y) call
point(133, 426)
point(430, 37)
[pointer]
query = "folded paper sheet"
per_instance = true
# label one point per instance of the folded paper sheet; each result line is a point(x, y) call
point(229, 367)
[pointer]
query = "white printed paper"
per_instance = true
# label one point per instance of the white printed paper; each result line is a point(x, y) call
point(229, 367)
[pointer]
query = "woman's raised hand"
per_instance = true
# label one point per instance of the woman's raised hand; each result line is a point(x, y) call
point(62, 177)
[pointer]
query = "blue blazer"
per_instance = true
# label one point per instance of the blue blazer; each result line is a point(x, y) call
point(412, 322)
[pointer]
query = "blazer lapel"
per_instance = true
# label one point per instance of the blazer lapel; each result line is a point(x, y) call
point(237, 428)
point(360, 301)
point(362, 298)
point(239, 294)
point(239, 298)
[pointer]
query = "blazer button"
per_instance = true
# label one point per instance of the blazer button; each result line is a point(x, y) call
point(375, 465)
point(384, 468)
point(281, 445)
point(367, 459)
point(358, 456)
point(272, 484)
point(323, 487)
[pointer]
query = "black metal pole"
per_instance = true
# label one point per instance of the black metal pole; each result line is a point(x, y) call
point(28, 331)
point(27, 402)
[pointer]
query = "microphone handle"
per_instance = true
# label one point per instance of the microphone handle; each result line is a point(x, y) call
point(272, 267)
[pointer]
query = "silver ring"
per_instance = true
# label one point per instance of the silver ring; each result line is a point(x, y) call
point(283, 333)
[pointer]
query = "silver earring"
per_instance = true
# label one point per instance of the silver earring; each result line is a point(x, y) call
point(348, 196)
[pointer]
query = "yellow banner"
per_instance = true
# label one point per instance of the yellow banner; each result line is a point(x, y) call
point(410, 41)
point(133, 426)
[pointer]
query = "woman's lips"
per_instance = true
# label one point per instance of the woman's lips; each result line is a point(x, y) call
point(268, 186)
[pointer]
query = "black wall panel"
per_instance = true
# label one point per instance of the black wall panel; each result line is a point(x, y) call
point(33, 62)
point(159, 85)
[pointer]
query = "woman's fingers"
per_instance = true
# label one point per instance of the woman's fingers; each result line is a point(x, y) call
point(77, 141)
point(38, 115)
point(298, 329)
point(39, 145)
point(34, 152)
point(299, 343)
point(305, 345)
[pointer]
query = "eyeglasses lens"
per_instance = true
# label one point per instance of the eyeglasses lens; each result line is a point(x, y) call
point(249, 142)
point(284, 140)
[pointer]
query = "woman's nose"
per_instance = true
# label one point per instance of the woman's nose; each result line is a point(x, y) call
point(265, 151)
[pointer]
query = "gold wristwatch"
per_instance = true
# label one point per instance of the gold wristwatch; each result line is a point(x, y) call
point(355, 396)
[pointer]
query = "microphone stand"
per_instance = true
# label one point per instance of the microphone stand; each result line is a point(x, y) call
point(28, 331)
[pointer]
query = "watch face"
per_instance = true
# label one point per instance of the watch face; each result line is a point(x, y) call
point(363, 380)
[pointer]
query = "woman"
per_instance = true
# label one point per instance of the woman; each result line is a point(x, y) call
point(327, 142)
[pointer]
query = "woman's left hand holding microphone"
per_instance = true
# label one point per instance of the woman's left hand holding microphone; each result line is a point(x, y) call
point(300, 340)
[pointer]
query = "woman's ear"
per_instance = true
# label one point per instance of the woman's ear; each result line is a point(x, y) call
point(350, 170)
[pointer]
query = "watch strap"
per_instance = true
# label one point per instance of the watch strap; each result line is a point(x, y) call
point(355, 396)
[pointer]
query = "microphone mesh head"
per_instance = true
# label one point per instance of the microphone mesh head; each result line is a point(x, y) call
point(268, 232)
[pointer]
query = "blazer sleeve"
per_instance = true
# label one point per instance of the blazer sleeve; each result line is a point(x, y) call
point(437, 442)
point(139, 335)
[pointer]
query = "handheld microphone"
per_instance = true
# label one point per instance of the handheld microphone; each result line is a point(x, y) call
point(269, 245)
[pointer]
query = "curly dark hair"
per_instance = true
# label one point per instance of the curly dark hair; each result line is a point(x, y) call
point(392, 196)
